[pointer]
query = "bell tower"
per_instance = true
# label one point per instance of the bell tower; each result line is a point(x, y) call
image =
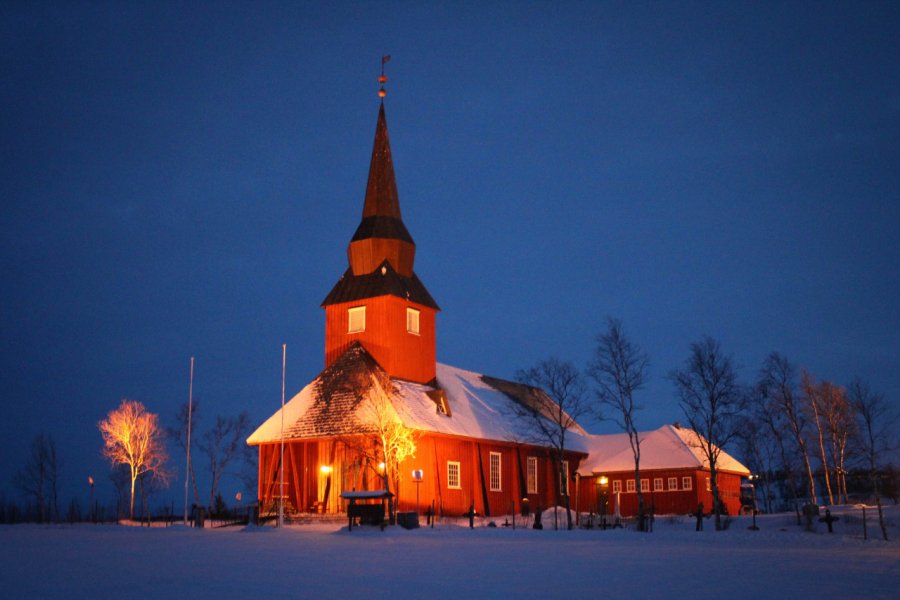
point(379, 301)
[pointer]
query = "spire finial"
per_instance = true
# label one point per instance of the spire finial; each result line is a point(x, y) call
point(382, 79)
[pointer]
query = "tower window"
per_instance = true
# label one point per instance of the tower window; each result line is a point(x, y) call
point(356, 319)
point(412, 321)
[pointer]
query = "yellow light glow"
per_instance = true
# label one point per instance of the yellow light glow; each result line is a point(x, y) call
point(326, 469)
point(603, 480)
point(381, 466)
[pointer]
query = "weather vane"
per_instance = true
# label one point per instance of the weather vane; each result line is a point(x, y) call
point(382, 79)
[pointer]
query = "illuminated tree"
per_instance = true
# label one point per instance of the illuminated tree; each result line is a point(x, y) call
point(385, 442)
point(828, 405)
point(132, 437)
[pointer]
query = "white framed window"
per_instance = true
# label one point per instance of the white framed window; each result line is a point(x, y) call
point(356, 319)
point(645, 485)
point(495, 472)
point(412, 321)
point(453, 475)
point(657, 484)
point(617, 486)
point(531, 474)
point(686, 483)
point(673, 483)
point(564, 479)
point(629, 486)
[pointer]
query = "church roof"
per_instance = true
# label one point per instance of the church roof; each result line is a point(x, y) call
point(333, 405)
point(384, 281)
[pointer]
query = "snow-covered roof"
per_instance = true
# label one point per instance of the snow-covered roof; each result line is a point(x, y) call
point(477, 409)
point(476, 406)
point(669, 447)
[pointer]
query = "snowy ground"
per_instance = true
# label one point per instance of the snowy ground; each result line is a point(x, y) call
point(780, 560)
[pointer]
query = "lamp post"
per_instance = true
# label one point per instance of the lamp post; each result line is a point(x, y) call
point(577, 482)
point(602, 484)
point(91, 505)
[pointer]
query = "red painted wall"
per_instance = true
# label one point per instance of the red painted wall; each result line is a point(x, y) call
point(401, 354)
point(667, 500)
point(304, 481)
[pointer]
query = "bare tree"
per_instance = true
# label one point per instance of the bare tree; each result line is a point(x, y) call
point(557, 402)
point(179, 435)
point(222, 444)
point(777, 385)
point(772, 430)
point(39, 477)
point(619, 368)
point(877, 424)
point(132, 437)
point(712, 402)
point(760, 450)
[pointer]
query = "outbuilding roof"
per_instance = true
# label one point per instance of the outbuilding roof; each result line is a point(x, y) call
point(669, 447)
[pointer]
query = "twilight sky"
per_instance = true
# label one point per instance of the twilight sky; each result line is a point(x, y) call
point(184, 180)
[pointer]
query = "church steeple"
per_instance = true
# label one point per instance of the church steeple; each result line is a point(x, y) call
point(381, 234)
point(379, 302)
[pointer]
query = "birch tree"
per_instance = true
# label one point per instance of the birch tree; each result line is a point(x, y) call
point(817, 396)
point(384, 441)
point(839, 425)
point(619, 368)
point(777, 384)
point(132, 437)
point(712, 402)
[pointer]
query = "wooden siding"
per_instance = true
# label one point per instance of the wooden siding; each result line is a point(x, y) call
point(401, 354)
point(366, 255)
point(306, 487)
point(666, 501)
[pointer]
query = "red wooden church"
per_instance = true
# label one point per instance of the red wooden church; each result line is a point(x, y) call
point(380, 336)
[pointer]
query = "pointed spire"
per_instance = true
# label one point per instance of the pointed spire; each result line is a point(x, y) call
point(381, 190)
point(381, 235)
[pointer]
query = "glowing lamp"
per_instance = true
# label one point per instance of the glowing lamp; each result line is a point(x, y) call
point(325, 469)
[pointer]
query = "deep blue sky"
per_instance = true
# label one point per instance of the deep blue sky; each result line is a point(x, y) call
point(183, 180)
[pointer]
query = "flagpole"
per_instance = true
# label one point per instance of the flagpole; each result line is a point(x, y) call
point(187, 466)
point(281, 462)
